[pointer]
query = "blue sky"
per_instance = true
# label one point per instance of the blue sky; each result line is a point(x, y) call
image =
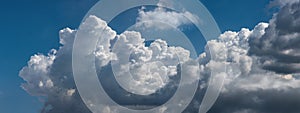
point(32, 26)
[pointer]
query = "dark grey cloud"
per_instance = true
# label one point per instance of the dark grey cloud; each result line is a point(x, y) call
point(275, 54)
point(260, 101)
point(279, 47)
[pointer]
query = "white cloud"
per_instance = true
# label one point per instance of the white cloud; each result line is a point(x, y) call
point(143, 70)
point(160, 15)
point(151, 67)
point(47, 75)
point(98, 28)
point(36, 74)
point(51, 76)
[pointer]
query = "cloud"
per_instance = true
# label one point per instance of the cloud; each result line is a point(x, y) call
point(169, 19)
point(279, 47)
point(261, 101)
point(262, 67)
point(251, 86)
point(51, 76)
point(248, 87)
point(97, 27)
point(151, 68)
point(38, 67)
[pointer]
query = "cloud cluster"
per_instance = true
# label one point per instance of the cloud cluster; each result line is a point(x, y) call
point(139, 69)
point(143, 70)
point(262, 67)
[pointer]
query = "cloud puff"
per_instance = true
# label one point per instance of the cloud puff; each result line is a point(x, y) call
point(144, 70)
point(98, 28)
point(169, 19)
point(38, 67)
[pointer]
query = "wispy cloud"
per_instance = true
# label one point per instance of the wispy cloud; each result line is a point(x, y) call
point(169, 18)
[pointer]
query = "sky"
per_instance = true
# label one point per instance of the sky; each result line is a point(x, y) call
point(30, 27)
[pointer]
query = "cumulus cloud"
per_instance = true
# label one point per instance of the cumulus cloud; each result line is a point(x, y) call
point(251, 86)
point(98, 28)
point(143, 70)
point(279, 47)
point(248, 87)
point(51, 76)
point(262, 67)
point(245, 70)
point(38, 67)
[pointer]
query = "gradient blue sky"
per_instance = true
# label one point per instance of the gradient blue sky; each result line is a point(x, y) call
point(29, 27)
